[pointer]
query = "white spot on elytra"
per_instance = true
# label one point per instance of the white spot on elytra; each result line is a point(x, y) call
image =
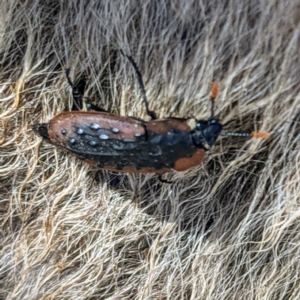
point(115, 130)
point(80, 131)
point(103, 136)
point(94, 126)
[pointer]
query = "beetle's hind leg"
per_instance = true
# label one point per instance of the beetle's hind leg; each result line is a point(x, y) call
point(78, 90)
point(149, 112)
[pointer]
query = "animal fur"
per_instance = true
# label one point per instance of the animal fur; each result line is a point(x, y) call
point(229, 229)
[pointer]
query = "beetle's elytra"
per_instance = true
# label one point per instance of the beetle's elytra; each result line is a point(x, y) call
point(125, 144)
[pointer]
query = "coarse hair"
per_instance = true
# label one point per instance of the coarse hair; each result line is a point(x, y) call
point(227, 229)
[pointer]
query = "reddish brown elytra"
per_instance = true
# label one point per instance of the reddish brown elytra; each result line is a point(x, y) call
point(125, 144)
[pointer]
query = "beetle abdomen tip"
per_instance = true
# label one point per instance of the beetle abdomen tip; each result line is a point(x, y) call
point(41, 130)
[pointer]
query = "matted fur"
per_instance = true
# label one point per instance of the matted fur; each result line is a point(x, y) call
point(229, 229)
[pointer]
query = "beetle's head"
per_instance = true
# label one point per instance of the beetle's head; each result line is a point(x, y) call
point(206, 133)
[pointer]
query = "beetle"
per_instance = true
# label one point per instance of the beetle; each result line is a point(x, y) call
point(126, 144)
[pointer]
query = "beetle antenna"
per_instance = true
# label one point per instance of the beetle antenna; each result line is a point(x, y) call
point(141, 85)
point(254, 134)
point(213, 95)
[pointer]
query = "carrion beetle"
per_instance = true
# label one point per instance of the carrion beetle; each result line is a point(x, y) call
point(126, 144)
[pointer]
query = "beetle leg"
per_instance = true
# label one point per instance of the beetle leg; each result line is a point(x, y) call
point(91, 106)
point(77, 91)
point(163, 180)
point(149, 112)
point(78, 94)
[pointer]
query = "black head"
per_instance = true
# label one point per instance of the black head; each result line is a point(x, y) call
point(206, 133)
